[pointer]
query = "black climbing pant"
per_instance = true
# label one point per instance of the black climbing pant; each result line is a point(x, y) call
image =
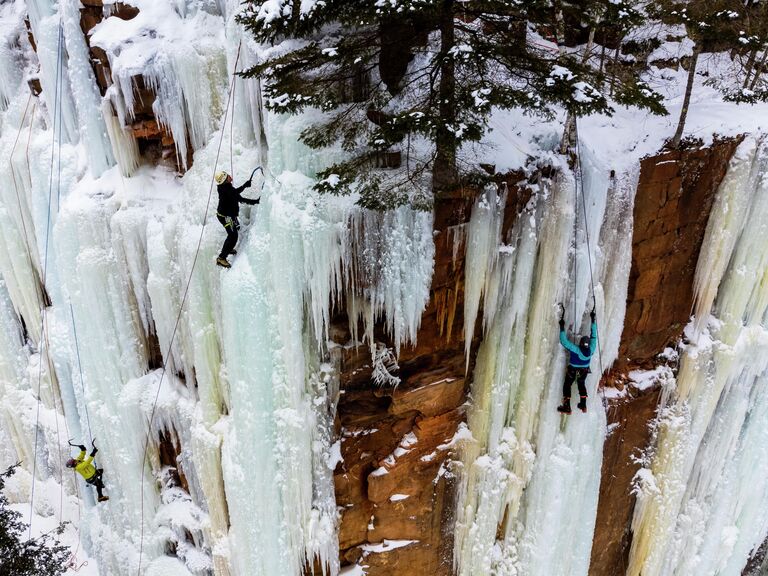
point(231, 225)
point(580, 375)
point(97, 482)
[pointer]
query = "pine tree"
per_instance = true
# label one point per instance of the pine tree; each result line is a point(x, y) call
point(708, 23)
point(416, 76)
point(752, 41)
point(42, 556)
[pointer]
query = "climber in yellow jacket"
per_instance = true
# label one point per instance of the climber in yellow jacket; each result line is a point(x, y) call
point(84, 466)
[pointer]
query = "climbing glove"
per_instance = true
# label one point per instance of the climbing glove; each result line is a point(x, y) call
point(562, 324)
point(93, 452)
point(592, 315)
point(248, 184)
point(82, 447)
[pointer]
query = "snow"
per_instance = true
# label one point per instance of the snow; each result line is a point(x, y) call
point(701, 494)
point(250, 385)
point(386, 546)
point(46, 517)
point(353, 570)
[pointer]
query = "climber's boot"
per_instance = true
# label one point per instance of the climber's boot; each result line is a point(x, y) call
point(103, 498)
point(582, 405)
point(565, 407)
point(223, 262)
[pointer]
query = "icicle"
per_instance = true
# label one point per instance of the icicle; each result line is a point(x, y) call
point(724, 228)
point(483, 239)
point(85, 91)
point(123, 142)
point(52, 54)
point(708, 461)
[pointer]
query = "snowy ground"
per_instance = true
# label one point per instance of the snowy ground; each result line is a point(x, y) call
point(48, 513)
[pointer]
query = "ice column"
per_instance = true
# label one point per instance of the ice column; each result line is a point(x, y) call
point(52, 54)
point(529, 477)
point(85, 90)
point(702, 499)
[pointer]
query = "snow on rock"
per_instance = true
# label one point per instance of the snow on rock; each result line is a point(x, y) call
point(701, 497)
point(529, 480)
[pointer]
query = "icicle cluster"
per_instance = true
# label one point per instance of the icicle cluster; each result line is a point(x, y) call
point(529, 480)
point(701, 500)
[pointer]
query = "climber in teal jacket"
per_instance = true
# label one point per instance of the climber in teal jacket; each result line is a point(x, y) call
point(578, 364)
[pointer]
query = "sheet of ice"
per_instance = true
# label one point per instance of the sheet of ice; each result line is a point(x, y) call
point(705, 510)
point(529, 481)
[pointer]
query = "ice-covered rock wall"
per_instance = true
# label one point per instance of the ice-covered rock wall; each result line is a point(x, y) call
point(702, 500)
point(529, 476)
point(116, 325)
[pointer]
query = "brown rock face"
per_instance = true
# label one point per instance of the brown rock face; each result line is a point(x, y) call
point(672, 205)
point(393, 482)
point(628, 420)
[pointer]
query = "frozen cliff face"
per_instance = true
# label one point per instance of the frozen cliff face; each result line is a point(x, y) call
point(702, 500)
point(115, 317)
point(213, 394)
point(529, 476)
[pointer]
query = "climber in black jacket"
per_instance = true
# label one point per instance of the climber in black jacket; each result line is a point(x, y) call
point(227, 213)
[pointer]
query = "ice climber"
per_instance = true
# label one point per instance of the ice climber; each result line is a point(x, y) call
point(578, 364)
point(84, 466)
point(228, 211)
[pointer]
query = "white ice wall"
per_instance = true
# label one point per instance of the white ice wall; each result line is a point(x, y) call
point(529, 478)
point(248, 394)
point(702, 498)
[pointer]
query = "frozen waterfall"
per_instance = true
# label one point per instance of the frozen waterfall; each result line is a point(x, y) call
point(116, 325)
point(529, 477)
point(245, 411)
point(702, 496)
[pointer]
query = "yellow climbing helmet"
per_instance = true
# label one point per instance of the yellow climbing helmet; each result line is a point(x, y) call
point(221, 177)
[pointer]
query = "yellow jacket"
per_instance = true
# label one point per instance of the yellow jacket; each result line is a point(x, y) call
point(84, 466)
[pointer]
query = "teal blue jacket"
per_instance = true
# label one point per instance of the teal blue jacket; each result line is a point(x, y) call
point(577, 359)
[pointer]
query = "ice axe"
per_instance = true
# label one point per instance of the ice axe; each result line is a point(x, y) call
point(254, 172)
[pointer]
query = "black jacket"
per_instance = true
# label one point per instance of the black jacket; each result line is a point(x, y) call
point(230, 199)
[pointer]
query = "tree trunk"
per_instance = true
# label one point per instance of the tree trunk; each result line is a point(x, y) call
point(615, 66)
point(759, 69)
point(559, 27)
point(602, 58)
point(444, 173)
point(687, 98)
point(570, 120)
point(748, 68)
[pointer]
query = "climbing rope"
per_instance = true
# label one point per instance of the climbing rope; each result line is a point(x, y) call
point(44, 344)
point(80, 370)
point(57, 114)
point(580, 184)
point(230, 99)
